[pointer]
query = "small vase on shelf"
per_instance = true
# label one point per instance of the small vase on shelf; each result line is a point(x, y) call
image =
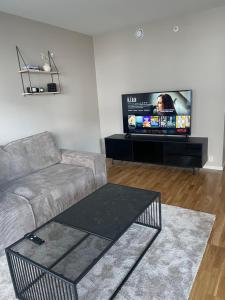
point(46, 67)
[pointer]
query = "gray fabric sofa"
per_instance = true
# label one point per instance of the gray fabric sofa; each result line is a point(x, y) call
point(38, 181)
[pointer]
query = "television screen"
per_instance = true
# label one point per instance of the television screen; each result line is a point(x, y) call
point(158, 112)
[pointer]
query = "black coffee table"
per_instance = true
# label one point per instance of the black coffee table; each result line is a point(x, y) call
point(76, 239)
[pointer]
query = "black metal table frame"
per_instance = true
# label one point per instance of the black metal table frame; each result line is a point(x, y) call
point(26, 274)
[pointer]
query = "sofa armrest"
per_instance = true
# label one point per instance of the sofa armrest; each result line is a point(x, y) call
point(16, 218)
point(94, 161)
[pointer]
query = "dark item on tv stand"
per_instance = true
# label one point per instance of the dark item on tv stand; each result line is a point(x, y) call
point(99, 219)
point(186, 152)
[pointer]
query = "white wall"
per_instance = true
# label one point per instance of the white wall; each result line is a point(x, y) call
point(193, 58)
point(71, 116)
point(224, 144)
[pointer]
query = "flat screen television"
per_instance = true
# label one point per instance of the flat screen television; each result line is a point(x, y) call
point(158, 113)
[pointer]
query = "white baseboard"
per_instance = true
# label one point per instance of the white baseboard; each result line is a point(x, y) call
point(219, 168)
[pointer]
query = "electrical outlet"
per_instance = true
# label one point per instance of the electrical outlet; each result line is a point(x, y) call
point(211, 158)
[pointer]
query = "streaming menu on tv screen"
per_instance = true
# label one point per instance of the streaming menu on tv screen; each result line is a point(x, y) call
point(149, 112)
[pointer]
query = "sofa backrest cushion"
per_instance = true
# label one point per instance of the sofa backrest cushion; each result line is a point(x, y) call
point(31, 154)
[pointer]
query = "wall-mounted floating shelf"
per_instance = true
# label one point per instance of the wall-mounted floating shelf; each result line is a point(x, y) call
point(38, 72)
point(25, 71)
point(40, 93)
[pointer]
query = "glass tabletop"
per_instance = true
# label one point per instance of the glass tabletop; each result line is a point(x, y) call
point(65, 250)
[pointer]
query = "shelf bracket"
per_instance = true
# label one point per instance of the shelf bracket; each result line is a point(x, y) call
point(20, 61)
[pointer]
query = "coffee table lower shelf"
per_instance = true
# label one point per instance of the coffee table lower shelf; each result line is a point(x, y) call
point(33, 281)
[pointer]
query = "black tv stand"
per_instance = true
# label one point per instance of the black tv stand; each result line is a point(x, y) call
point(156, 137)
point(188, 152)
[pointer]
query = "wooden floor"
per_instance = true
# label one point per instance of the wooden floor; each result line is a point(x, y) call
point(204, 192)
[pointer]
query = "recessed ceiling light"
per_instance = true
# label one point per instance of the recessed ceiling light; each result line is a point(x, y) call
point(139, 33)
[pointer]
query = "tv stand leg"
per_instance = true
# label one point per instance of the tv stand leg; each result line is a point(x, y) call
point(195, 171)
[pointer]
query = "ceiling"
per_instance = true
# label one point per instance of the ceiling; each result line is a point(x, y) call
point(99, 16)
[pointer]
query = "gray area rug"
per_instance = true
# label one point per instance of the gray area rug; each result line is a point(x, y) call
point(167, 271)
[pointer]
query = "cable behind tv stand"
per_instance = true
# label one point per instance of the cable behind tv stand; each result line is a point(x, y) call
point(187, 152)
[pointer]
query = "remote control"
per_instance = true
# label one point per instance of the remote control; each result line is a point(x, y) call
point(34, 239)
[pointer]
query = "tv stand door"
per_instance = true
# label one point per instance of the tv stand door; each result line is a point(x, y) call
point(119, 149)
point(183, 155)
point(148, 151)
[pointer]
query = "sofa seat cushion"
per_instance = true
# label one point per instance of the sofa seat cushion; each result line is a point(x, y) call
point(52, 190)
point(31, 154)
